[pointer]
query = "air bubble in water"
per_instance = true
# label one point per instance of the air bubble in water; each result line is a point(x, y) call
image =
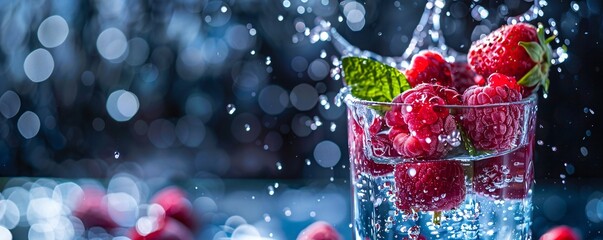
point(280, 18)
point(323, 54)
point(554, 148)
point(270, 190)
point(268, 60)
point(333, 127)
point(247, 127)
point(562, 176)
point(116, 154)
point(231, 108)
point(540, 142)
point(413, 232)
point(308, 162)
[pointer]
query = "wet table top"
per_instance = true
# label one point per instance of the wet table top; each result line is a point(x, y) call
point(280, 209)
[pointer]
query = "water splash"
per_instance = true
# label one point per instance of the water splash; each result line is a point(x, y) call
point(231, 108)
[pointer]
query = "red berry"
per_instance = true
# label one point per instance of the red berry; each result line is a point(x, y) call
point(381, 146)
point(417, 123)
point(508, 176)
point(428, 67)
point(492, 128)
point(561, 233)
point(162, 229)
point(176, 205)
point(501, 52)
point(464, 77)
point(93, 209)
point(429, 186)
point(319, 231)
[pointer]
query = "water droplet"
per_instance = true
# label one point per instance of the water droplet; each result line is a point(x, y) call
point(332, 179)
point(333, 127)
point(276, 185)
point(231, 108)
point(575, 6)
point(270, 190)
point(116, 154)
point(267, 217)
point(247, 127)
point(287, 211)
point(584, 151)
point(268, 60)
point(308, 162)
point(554, 148)
point(280, 18)
point(279, 166)
point(540, 142)
point(562, 176)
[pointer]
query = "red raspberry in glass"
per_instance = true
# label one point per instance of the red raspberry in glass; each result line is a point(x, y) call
point(428, 67)
point(464, 77)
point(418, 124)
point(429, 186)
point(381, 146)
point(492, 128)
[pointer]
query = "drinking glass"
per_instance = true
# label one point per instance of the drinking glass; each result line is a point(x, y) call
point(459, 188)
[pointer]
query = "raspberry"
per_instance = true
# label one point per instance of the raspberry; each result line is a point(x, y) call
point(429, 186)
point(173, 200)
point(319, 231)
point(508, 176)
point(428, 67)
point(381, 146)
point(492, 128)
point(561, 233)
point(92, 209)
point(163, 229)
point(464, 77)
point(418, 124)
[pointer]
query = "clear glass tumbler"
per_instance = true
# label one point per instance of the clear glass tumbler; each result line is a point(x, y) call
point(459, 187)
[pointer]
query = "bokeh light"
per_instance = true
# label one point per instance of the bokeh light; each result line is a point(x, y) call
point(38, 65)
point(53, 31)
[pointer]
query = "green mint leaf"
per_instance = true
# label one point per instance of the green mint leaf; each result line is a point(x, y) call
point(372, 80)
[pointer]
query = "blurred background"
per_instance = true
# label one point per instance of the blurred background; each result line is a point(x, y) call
point(238, 88)
point(180, 90)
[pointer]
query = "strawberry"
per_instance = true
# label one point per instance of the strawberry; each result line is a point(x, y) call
point(319, 231)
point(492, 128)
point(561, 233)
point(517, 50)
point(417, 123)
point(428, 67)
point(429, 186)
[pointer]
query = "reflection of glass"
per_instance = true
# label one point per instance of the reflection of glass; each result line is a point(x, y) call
point(465, 192)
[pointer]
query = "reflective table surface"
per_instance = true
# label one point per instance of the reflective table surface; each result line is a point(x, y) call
point(272, 209)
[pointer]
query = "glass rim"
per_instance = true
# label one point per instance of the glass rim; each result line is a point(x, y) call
point(346, 95)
